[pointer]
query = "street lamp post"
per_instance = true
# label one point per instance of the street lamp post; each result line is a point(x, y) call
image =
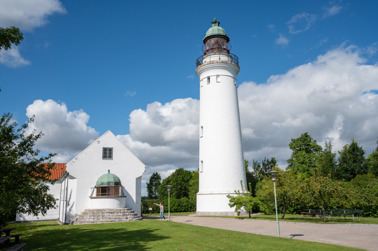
point(169, 205)
point(274, 178)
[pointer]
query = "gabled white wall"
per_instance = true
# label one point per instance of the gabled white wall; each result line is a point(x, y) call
point(88, 166)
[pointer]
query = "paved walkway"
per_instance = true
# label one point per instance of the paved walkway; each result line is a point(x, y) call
point(363, 236)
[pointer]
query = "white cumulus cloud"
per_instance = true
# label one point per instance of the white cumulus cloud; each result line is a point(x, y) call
point(165, 133)
point(28, 14)
point(12, 58)
point(64, 132)
point(330, 98)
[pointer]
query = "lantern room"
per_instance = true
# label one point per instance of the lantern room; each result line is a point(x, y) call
point(216, 39)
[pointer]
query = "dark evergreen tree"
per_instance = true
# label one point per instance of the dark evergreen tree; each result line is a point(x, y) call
point(303, 156)
point(153, 186)
point(326, 160)
point(373, 162)
point(261, 170)
point(351, 162)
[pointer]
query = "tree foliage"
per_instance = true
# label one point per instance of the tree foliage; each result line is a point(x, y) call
point(261, 170)
point(243, 200)
point(23, 179)
point(322, 192)
point(351, 162)
point(9, 36)
point(194, 187)
point(326, 160)
point(373, 162)
point(153, 186)
point(363, 191)
point(287, 189)
point(182, 187)
point(304, 152)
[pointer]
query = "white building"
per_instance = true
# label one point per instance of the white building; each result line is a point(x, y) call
point(221, 161)
point(106, 174)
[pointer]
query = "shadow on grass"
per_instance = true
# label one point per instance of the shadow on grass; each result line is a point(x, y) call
point(90, 237)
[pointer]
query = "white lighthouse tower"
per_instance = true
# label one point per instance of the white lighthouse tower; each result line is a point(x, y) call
point(221, 162)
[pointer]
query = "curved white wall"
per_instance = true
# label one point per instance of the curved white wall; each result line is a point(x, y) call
point(221, 154)
point(115, 202)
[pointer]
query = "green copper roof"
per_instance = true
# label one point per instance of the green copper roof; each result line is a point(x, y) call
point(215, 31)
point(108, 179)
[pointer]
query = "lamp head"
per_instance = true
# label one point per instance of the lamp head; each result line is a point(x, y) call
point(274, 175)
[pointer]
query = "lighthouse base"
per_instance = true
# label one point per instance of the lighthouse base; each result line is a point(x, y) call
point(215, 204)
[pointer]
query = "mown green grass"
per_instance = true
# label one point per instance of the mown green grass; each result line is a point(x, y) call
point(151, 235)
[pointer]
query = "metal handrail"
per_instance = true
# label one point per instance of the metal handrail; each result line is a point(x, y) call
point(233, 59)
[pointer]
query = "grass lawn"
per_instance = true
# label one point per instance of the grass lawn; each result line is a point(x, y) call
point(151, 235)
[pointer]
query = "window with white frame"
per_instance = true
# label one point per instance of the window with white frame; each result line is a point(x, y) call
point(107, 153)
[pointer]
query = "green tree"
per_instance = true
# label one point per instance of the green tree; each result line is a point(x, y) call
point(373, 162)
point(322, 192)
point(288, 192)
point(153, 186)
point(363, 191)
point(259, 171)
point(243, 200)
point(180, 182)
point(326, 160)
point(304, 152)
point(9, 36)
point(287, 188)
point(23, 177)
point(194, 187)
point(351, 162)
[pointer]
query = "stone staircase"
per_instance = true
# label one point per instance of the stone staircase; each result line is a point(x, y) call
point(95, 216)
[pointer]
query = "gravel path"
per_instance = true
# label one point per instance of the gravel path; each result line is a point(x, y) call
point(363, 236)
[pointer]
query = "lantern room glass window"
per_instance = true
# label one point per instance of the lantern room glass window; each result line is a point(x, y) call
point(107, 153)
point(217, 44)
point(110, 191)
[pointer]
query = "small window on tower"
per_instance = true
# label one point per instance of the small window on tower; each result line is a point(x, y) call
point(201, 132)
point(208, 80)
point(201, 166)
point(107, 153)
point(218, 81)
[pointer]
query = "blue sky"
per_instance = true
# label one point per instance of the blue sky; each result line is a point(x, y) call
point(85, 67)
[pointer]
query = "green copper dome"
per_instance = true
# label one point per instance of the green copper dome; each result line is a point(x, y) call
point(108, 179)
point(215, 31)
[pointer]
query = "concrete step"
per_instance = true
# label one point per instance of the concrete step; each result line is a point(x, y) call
point(93, 216)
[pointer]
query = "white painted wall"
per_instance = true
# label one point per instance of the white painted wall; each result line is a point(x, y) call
point(51, 214)
point(221, 155)
point(116, 202)
point(88, 166)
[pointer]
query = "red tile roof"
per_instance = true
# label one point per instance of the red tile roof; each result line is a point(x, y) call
point(57, 171)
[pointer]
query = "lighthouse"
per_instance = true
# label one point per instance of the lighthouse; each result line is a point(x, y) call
point(221, 161)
